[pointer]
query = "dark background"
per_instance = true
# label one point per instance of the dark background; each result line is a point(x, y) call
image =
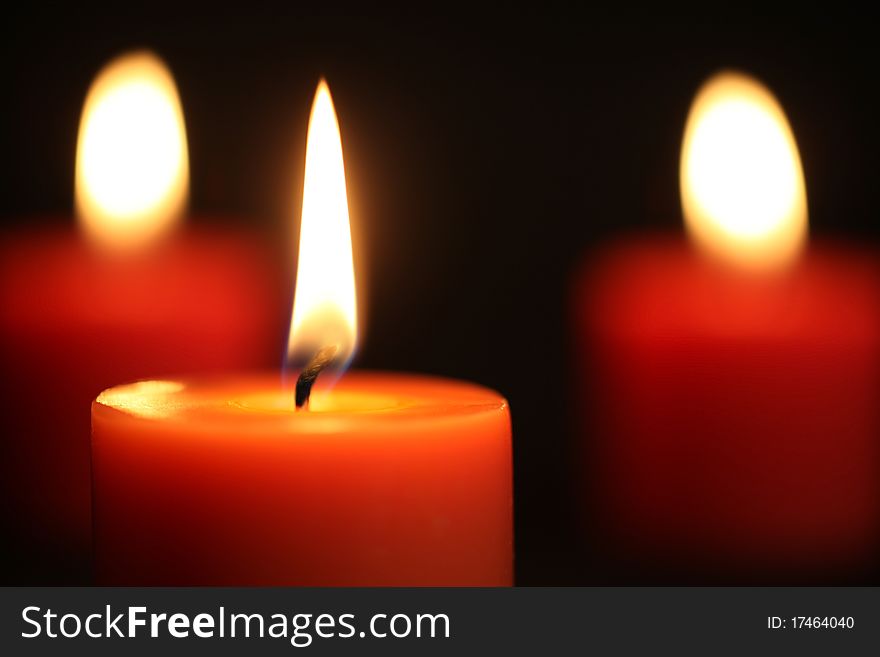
point(486, 151)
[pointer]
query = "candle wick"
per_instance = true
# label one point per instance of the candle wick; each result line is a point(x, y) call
point(310, 373)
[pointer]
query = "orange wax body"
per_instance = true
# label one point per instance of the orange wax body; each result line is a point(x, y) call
point(734, 417)
point(388, 479)
point(72, 322)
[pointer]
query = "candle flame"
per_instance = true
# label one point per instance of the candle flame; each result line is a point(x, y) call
point(132, 165)
point(325, 308)
point(742, 185)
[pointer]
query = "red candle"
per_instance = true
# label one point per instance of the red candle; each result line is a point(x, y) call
point(733, 392)
point(384, 479)
point(126, 300)
point(387, 480)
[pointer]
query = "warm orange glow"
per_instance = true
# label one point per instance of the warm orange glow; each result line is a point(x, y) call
point(132, 398)
point(132, 166)
point(742, 185)
point(325, 307)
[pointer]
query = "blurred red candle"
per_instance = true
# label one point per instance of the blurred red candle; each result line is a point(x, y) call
point(128, 298)
point(734, 391)
point(385, 479)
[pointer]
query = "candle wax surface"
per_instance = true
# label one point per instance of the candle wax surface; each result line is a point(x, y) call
point(733, 420)
point(387, 479)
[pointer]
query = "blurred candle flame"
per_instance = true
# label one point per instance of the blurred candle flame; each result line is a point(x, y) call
point(742, 185)
point(325, 306)
point(132, 165)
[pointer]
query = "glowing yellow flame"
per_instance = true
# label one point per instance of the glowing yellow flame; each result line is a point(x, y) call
point(742, 186)
point(132, 166)
point(325, 308)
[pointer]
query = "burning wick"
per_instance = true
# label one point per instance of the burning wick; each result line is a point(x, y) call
point(310, 373)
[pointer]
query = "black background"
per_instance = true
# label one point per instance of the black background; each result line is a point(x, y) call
point(486, 151)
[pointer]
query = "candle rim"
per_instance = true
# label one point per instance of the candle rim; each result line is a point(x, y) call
point(439, 401)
